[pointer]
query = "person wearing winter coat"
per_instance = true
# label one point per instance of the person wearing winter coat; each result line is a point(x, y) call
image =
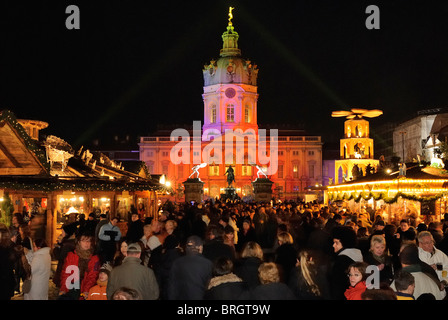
point(134, 275)
point(170, 251)
point(344, 245)
point(98, 292)
point(87, 265)
point(271, 288)
point(285, 255)
point(309, 279)
point(7, 260)
point(379, 256)
point(357, 281)
point(214, 246)
point(225, 285)
point(40, 271)
point(64, 245)
point(245, 234)
point(246, 267)
point(135, 230)
point(191, 273)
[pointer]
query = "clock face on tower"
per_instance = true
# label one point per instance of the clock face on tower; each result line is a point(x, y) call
point(230, 93)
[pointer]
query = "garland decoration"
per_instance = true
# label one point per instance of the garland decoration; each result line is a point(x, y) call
point(383, 196)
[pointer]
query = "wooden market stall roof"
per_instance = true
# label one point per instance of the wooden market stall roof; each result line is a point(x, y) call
point(19, 154)
point(53, 165)
point(420, 183)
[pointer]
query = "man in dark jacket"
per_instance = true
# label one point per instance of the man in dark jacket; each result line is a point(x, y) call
point(214, 246)
point(135, 230)
point(190, 273)
point(7, 281)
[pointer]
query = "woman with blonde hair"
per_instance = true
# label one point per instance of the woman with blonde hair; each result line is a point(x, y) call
point(285, 255)
point(379, 255)
point(246, 267)
point(309, 279)
point(271, 288)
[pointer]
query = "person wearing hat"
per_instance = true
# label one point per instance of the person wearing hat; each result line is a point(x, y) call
point(90, 224)
point(426, 280)
point(98, 292)
point(134, 275)
point(64, 245)
point(135, 228)
point(191, 273)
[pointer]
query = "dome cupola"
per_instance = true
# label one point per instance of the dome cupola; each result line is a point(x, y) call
point(230, 67)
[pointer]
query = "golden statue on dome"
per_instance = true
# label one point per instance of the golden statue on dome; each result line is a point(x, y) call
point(230, 15)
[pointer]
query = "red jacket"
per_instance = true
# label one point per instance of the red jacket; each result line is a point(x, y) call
point(90, 276)
point(354, 293)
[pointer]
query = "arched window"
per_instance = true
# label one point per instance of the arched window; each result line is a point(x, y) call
point(213, 170)
point(230, 113)
point(247, 114)
point(212, 113)
point(246, 170)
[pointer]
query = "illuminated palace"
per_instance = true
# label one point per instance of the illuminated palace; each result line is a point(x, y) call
point(230, 102)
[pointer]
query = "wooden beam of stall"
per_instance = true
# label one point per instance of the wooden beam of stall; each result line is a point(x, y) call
point(9, 156)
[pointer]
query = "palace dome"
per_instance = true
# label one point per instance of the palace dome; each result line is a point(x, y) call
point(230, 67)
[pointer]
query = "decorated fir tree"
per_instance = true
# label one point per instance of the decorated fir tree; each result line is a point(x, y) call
point(7, 209)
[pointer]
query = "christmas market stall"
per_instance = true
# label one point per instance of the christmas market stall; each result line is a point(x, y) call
point(50, 183)
point(416, 192)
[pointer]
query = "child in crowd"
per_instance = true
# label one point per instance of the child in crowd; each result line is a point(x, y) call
point(404, 284)
point(357, 277)
point(98, 292)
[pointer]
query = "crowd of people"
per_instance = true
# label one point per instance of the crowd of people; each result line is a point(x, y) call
point(232, 250)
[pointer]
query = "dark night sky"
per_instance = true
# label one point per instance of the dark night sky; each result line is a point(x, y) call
point(134, 64)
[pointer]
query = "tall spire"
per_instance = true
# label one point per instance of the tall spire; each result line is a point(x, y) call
point(230, 39)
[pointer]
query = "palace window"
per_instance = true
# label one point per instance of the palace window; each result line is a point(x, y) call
point(150, 165)
point(295, 171)
point(246, 170)
point(247, 114)
point(311, 170)
point(214, 170)
point(213, 113)
point(280, 171)
point(230, 113)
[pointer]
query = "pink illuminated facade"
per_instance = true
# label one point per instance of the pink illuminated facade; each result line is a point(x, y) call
point(230, 103)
